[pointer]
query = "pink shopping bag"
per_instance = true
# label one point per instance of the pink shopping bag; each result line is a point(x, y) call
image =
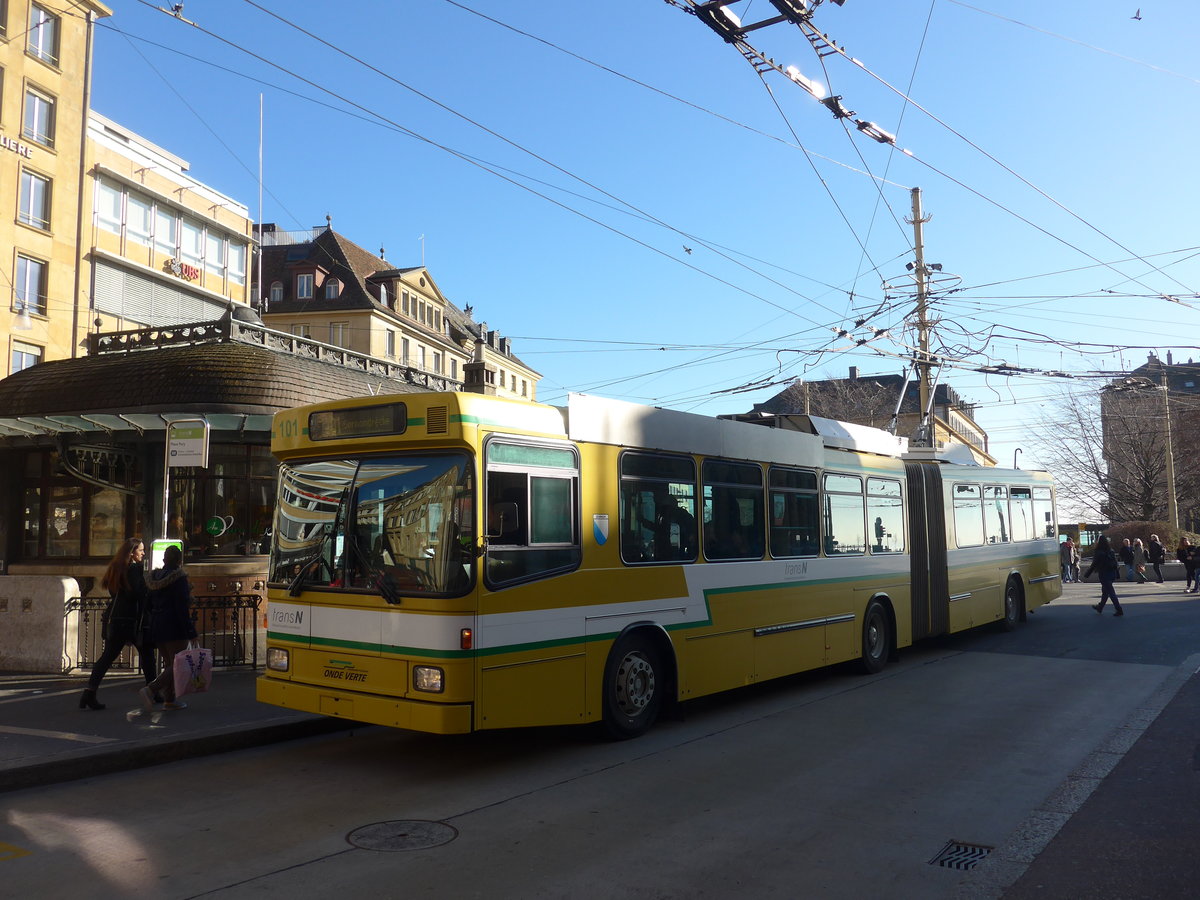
point(193, 671)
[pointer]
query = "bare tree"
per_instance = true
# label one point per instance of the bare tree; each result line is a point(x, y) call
point(1108, 453)
point(864, 401)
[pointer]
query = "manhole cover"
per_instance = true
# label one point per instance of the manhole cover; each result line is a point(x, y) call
point(404, 834)
point(958, 855)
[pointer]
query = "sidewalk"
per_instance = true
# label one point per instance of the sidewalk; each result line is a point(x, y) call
point(45, 738)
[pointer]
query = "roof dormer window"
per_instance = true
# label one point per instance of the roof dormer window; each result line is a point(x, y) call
point(304, 286)
point(333, 288)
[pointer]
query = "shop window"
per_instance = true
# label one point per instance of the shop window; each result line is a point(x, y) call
point(64, 519)
point(225, 509)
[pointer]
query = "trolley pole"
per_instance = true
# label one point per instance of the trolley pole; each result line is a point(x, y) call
point(920, 272)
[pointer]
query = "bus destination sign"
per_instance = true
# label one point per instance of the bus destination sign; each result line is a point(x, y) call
point(358, 421)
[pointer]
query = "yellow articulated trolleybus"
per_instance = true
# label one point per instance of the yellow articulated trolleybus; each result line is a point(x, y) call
point(449, 562)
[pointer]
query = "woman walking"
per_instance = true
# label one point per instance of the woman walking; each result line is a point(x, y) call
point(1139, 561)
point(125, 618)
point(170, 625)
point(1104, 564)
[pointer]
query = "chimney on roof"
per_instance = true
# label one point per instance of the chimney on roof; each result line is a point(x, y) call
point(854, 373)
point(1168, 357)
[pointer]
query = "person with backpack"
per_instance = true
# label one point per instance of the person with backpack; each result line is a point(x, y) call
point(1104, 564)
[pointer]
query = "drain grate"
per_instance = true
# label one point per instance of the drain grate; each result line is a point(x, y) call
point(960, 855)
point(403, 834)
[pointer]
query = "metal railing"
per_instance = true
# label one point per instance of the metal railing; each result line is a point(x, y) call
point(227, 625)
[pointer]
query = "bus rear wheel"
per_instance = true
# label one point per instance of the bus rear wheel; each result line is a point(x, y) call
point(876, 638)
point(633, 687)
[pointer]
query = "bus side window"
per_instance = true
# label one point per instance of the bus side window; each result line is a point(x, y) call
point(531, 492)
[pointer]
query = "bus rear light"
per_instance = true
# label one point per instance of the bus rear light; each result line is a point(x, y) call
point(277, 659)
point(429, 679)
point(466, 639)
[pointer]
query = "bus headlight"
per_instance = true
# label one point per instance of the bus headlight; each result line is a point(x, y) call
point(277, 659)
point(430, 679)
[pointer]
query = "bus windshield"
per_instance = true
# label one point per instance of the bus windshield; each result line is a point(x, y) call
point(405, 522)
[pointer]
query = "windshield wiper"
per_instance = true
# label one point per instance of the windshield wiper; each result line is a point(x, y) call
point(313, 563)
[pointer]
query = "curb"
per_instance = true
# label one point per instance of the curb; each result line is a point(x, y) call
point(88, 763)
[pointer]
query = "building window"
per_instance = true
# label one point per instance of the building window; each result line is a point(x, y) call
point(454, 368)
point(332, 289)
point(303, 331)
point(524, 388)
point(304, 287)
point(404, 302)
point(139, 216)
point(23, 356)
point(338, 332)
point(39, 118)
point(42, 37)
point(383, 294)
point(421, 357)
point(214, 254)
point(166, 231)
point(276, 295)
point(404, 351)
point(389, 343)
point(437, 363)
point(191, 243)
point(35, 200)
point(30, 287)
point(237, 263)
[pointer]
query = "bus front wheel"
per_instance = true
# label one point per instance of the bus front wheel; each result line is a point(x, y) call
point(633, 687)
point(876, 638)
point(1013, 605)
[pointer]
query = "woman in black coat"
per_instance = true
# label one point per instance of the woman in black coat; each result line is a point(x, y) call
point(125, 619)
point(1104, 564)
point(170, 625)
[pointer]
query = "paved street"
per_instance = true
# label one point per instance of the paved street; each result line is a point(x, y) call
point(825, 785)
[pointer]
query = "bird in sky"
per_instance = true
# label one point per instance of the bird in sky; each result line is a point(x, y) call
point(687, 250)
point(1137, 15)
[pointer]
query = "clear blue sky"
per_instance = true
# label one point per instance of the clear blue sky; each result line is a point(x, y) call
point(559, 157)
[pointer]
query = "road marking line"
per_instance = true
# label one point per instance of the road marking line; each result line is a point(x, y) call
point(11, 851)
point(61, 735)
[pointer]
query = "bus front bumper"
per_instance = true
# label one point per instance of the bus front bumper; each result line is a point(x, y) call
point(394, 712)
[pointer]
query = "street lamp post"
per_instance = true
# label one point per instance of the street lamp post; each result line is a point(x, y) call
point(1172, 503)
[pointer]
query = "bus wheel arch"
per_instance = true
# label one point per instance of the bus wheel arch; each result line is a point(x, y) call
point(1014, 603)
point(639, 681)
point(878, 635)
